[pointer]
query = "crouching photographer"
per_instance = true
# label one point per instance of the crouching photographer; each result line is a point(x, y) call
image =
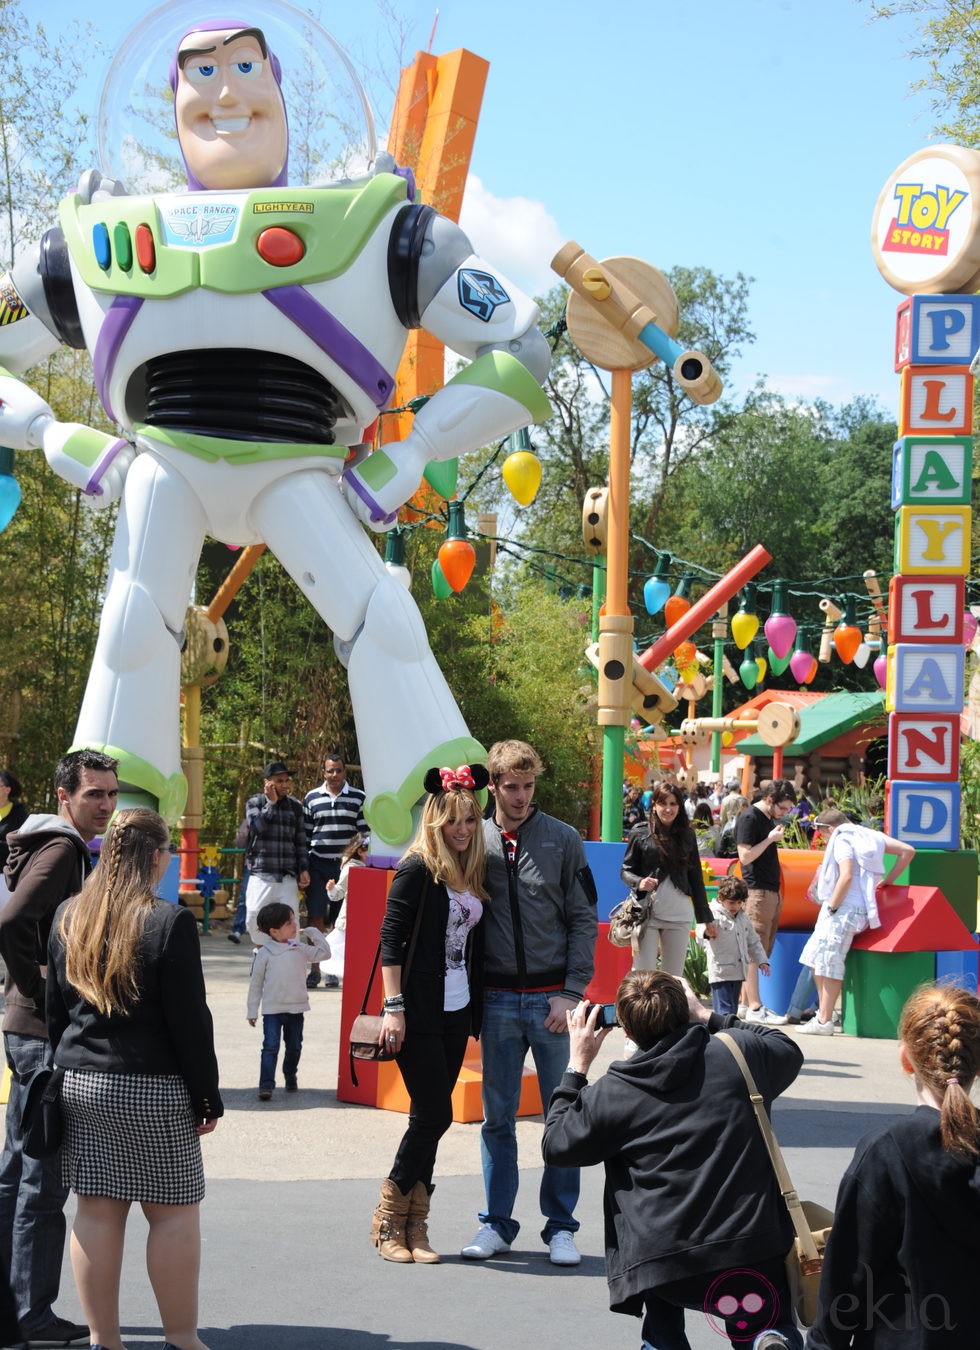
point(693, 1213)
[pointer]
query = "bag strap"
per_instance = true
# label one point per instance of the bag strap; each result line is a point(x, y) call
point(792, 1200)
point(413, 941)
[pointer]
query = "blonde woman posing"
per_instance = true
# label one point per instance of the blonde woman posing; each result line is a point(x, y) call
point(429, 1017)
point(129, 1024)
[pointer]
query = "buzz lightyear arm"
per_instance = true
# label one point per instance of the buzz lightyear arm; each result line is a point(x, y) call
point(90, 460)
point(485, 318)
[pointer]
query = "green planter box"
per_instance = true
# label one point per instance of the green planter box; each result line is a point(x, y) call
point(876, 985)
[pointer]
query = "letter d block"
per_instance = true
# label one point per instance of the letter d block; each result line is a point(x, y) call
point(932, 471)
point(937, 330)
point(926, 679)
point(932, 539)
point(926, 815)
point(923, 748)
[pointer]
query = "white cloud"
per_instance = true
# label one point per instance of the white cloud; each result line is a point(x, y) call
point(516, 234)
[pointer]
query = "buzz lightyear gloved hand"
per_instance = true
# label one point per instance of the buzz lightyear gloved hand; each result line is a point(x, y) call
point(486, 401)
point(90, 460)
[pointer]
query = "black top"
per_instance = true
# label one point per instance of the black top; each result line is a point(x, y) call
point(643, 858)
point(13, 820)
point(168, 1030)
point(751, 828)
point(689, 1185)
point(901, 1265)
point(425, 988)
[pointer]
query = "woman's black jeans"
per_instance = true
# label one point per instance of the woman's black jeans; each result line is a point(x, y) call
point(429, 1066)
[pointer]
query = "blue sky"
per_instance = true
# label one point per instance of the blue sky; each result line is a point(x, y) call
point(741, 135)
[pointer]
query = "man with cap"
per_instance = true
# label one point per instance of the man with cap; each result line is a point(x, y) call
point(276, 852)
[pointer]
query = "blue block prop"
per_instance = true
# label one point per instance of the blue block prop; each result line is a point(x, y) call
point(960, 968)
point(606, 859)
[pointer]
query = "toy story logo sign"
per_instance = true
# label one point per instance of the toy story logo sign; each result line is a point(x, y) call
point(926, 228)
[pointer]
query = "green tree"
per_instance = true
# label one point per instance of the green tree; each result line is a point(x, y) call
point(54, 554)
point(948, 41)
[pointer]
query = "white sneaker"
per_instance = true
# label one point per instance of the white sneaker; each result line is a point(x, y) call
point(742, 1010)
point(765, 1015)
point(562, 1250)
point(817, 1028)
point(487, 1243)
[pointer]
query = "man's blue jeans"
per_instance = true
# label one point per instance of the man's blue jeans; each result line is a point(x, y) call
point(32, 1200)
point(290, 1026)
point(513, 1023)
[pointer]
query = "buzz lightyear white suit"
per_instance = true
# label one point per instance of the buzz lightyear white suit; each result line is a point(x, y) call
point(244, 336)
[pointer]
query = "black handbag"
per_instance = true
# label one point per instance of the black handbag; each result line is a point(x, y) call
point(41, 1116)
point(366, 1027)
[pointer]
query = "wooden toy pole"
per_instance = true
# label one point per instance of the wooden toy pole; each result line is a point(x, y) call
point(617, 589)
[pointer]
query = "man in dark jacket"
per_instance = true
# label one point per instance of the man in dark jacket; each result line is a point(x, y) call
point(540, 932)
point(49, 859)
point(693, 1213)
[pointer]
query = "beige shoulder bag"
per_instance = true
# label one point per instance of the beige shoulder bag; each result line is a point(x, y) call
point(812, 1222)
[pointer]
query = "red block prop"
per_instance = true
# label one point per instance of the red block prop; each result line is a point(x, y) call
point(916, 919)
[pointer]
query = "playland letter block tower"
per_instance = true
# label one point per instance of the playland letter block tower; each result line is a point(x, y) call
point(926, 242)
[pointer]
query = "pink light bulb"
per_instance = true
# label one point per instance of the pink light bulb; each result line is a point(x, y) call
point(799, 664)
point(780, 630)
point(881, 670)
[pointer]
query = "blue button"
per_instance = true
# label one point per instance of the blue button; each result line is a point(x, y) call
point(102, 247)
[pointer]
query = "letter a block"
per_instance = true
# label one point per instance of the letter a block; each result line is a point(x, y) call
point(937, 330)
point(932, 539)
point(925, 609)
point(923, 747)
point(936, 398)
point(925, 679)
point(932, 471)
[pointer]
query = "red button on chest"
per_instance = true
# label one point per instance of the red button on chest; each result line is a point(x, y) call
point(280, 247)
point(145, 251)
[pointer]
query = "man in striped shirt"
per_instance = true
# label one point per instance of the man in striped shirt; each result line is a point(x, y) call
point(276, 852)
point(333, 814)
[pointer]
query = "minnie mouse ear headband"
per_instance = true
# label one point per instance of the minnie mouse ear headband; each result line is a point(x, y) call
point(469, 776)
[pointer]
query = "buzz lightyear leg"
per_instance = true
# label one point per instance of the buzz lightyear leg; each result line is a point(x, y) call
point(132, 700)
point(406, 718)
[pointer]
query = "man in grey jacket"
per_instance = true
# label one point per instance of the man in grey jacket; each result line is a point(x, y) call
point(49, 859)
point(540, 931)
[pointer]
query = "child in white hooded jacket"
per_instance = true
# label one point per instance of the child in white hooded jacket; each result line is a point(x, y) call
point(735, 946)
point(280, 966)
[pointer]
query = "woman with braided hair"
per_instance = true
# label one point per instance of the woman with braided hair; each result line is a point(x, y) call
point(431, 1011)
point(901, 1265)
point(129, 1024)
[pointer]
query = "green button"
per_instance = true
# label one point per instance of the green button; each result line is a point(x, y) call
point(122, 245)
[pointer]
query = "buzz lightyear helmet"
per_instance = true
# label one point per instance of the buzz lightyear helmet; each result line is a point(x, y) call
point(333, 136)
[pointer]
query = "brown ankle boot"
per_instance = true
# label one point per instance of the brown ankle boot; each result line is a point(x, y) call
point(388, 1227)
point(417, 1228)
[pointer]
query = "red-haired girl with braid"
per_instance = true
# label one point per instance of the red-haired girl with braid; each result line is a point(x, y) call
point(903, 1259)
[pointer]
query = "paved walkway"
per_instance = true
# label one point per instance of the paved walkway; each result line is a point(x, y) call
point(292, 1184)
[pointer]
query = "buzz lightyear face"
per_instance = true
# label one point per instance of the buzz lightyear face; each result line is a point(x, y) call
point(231, 119)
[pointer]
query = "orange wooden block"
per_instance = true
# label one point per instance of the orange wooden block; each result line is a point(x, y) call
point(467, 1094)
point(916, 919)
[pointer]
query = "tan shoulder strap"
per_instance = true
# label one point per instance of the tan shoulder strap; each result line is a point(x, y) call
point(807, 1245)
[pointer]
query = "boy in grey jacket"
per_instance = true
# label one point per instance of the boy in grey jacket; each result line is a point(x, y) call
point(737, 943)
point(278, 981)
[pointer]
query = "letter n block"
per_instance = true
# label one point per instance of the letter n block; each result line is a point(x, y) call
point(937, 330)
point(926, 679)
point(925, 609)
point(936, 399)
point(933, 539)
point(923, 747)
point(926, 815)
point(932, 471)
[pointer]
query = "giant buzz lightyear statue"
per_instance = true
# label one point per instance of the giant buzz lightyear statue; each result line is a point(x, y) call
point(244, 334)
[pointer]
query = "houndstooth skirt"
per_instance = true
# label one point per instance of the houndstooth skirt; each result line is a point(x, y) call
point(130, 1137)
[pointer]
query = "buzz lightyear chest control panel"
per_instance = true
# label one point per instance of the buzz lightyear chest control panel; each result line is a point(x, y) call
point(258, 313)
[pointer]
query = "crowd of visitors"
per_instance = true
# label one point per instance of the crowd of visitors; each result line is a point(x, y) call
point(489, 931)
